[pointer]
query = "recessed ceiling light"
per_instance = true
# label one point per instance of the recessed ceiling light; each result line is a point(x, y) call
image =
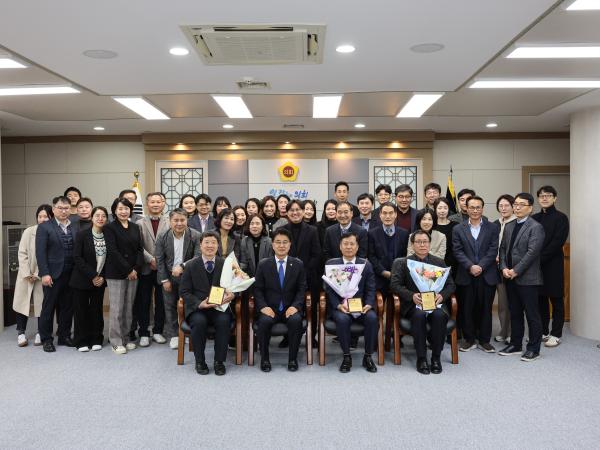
point(38, 90)
point(7, 63)
point(346, 48)
point(581, 5)
point(179, 51)
point(556, 52)
point(418, 104)
point(491, 125)
point(428, 47)
point(227, 126)
point(287, 142)
point(326, 106)
point(535, 84)
point(233, 106)
point(140, 106)
point(100, 54)
point(359, 125)
point(99, 128)
point(233, 143)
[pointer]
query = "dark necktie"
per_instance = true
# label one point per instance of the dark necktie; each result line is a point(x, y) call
point(281, 278)
point(210, 266)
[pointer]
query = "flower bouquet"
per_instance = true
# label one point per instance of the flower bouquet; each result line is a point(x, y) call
point(344, 279)
point(233, 278)
point(427, 278)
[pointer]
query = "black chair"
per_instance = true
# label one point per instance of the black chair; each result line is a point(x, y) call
point(328, 326)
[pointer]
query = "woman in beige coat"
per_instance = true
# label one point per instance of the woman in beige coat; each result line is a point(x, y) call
point(426, 220)
point(28, 284)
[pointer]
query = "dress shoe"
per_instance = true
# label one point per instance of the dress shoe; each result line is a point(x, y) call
point(369, 364)
point(220, 368)
point(292, 365)
point(422, 366)
point(346, 364)
point(48, 346)
point(66, 341)
point(265, 365)
point(436, 365)
point(201, 368)
point(284, 343)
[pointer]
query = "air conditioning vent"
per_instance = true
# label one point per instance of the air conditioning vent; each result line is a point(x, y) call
point(250, 84)
point(257, 44)
point(293, 126)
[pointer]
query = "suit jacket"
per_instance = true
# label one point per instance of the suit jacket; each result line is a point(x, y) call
point(374, 222)
point(413, 218)
point(149, 240)
point(247, 261)
point(379, 255)
point(164, 251)
point(195, 285)
point(49, 249)
point(366, 286)
point(195, 223)
point(268, 291)
point(84, 255)
point(333, 235)
point(465, 252)
point(124, 250)
point(307, 248)
point(403, 284)
point(437, 246)
point(233, 245)
point(526, 252)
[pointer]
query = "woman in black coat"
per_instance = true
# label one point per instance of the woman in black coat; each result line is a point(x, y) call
point(88, 283)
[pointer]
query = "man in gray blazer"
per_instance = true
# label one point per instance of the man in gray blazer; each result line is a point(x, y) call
point(174, 248)
point(520, 252)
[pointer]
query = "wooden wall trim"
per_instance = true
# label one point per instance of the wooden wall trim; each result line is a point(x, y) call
point(71, 138)
point(527, 171)
point(507, 135)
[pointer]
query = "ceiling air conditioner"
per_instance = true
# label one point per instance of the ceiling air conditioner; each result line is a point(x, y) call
point(257, 44)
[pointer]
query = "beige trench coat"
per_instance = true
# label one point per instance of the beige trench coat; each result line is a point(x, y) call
point(28, 266)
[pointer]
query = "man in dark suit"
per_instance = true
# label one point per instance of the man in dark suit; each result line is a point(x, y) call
point(384, 195)
point(199, 276)
point(279, 287)
point(338, 306)
point(341, 193)
point(333, 234)
point(410, 304)
point(173, 249)
point(406, 214)
point(203, 221)
point(475, 244)
point(366, 218)
point(54, 242)
point(520, 252)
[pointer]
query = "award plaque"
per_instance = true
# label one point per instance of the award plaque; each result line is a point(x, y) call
point(216, 295)
point(428, 300)
point(355, 305)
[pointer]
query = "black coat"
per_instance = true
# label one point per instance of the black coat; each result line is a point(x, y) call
point(556, 227)
point(268, 291)
point(195, 286)
point(84, 257)
point(333, 236)
point(378, 251)
point(307, 248)
point(124, 250)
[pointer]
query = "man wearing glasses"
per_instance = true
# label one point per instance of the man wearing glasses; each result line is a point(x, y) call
point(520, 252)
point(406, 213)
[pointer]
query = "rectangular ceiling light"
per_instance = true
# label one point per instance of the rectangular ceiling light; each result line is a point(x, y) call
point(533, 84)
point(140, 106)
point(556, 52)
point(418, 104)
point(37, 90)
point(7, 63)
point(326, 106)
point(582, 5)
point(233, 106)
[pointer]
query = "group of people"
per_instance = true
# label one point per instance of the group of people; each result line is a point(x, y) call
point(148, 262)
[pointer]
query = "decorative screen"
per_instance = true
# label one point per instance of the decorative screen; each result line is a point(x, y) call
point(395, 176)
point(174, 183)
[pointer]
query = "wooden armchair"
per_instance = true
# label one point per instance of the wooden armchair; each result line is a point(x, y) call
point(402, 326)
point(328, 326)
point(280, 329)
point(185, 330)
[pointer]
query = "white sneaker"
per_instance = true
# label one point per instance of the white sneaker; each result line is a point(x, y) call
point(96, 347)
point(144, 341)
point(174, 343)
point(38, 340)
point(83, 349)
point(119, 349)
point(130, 346)
point(22, 340)
point(499, 338)
point(159, 338)
point(552, 341)
point(545, 337)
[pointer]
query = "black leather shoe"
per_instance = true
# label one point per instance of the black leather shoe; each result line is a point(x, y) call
point(49, 347)
point(346, 364)
point(436, 365)
point(369, 364)
point(265, 365)
point(201, 368)
point(354, 342)
point(220, 368)
point(284, 343)
point(67, 342)
point(422, 366)
point(293, 365)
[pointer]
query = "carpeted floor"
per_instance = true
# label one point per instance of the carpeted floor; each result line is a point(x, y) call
point(144, 400)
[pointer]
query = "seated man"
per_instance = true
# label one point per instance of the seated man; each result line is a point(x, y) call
point(279, 287)
point(338, 307)
point(403, 285)
point(199, 275)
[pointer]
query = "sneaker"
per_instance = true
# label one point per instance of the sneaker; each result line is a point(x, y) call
point(83, 349)
point(510, 350)
point(144, 341)
point(119, 349)
point(38, 340)
point(545, 337)
point(487, 347)
point(499, 338)
point(22, 340)
point(174, 343)
point(159, 338)
point(552, 341)
point(96, 347)
point(467, 346)
point(130, 346)
point(529, 356)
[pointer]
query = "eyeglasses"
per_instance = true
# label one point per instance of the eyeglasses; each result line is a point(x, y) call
point(546, 196)
point(404, 197)
point(475, 208)
point(520, 205)
point(421, 242)
point(63, 208)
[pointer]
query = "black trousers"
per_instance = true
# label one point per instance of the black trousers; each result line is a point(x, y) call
point(343, 322)
point(149, 283)
point(524, 299)
point(437, 320)
point(21, 320)
point(199, 321)
point(294, 326)
point(58, 295)
point(89, 323)
point(558, 315)
point(477, 301)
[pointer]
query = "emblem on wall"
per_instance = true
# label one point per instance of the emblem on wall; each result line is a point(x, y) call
point(288, 171)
